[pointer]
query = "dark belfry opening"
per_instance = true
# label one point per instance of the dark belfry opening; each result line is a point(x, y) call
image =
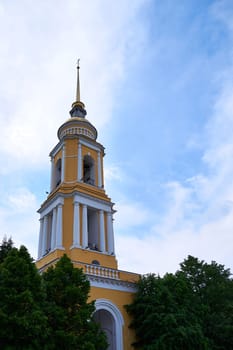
point(92, 226)
point(88, 170)
point(58, 172)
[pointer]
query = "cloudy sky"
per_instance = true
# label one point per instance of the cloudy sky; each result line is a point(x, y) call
point(157, 82)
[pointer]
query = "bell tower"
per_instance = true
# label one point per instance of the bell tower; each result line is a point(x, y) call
point(77, 219)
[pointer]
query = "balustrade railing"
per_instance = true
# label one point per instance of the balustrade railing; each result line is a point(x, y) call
point(100, 271)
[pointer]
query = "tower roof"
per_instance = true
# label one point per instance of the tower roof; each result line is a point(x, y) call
point(78, 107)
point(77, 124)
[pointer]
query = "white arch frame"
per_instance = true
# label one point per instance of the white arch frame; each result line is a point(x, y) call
point(105, 304)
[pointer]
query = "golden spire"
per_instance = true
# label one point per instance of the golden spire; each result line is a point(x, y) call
point(78, 107)
point(78, 84)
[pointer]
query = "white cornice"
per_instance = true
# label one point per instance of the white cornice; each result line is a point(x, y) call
point(109, 283)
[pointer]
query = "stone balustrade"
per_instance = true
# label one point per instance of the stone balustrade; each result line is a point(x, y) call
point(100, 271)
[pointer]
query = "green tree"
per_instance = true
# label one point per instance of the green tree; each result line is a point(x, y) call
point(191, 309)
point(5, 247)
point(163, 317)
point(213, 288)
point(69, 314)
point(22, 320)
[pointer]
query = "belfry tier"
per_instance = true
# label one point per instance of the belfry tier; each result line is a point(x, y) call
point(77, 216)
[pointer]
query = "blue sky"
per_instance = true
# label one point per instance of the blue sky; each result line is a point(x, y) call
point(156, 78)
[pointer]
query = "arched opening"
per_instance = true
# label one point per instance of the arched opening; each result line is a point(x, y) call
point(106, 321)
point(58, 172)
point(111, 322)
point(88, 170)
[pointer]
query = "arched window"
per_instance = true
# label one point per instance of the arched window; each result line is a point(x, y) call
point(111, 321)
point(58, 172)
point(95, 262)
point(88, 170)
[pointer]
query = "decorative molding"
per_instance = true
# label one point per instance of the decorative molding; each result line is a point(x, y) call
point(77, 131)
point(90, 145)
point(51, 205)
point(113, 284)
point(93, 202)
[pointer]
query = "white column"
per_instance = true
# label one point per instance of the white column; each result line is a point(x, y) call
point(76, 226)
point(99, 170)
point(79, 170)
point(63, 163)
point(44, 239)
point(102, 231)
point(85, 233)
point(54, 224)
point(40, 239)
point(52, 185)
point(111, 248)
point(59, 227)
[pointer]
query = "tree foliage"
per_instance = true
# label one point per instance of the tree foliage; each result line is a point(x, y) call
point(22, 319)
point(69, 313)
point(191, 309)
point(49, 311)
point(5, 247)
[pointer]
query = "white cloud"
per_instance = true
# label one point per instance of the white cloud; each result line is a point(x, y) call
point(19, 219)
point(39, 47)
point(22, 200)
point(198, 215)
point(198, 218)
point(130, 215)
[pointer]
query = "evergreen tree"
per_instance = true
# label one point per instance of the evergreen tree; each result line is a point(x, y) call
point(5, 247)
point(69, 314)
point(22, 320)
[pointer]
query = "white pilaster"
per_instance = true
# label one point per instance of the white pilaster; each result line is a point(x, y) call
point(63, 163)
point(40, 239)
point(76, 226)
point(85, 233)
point(111, 248)
point(99, 170)
point(59, 228)
point(102, 231)
point(52, 185)
point(79, 171)
point(44, 239)
point(54, 228)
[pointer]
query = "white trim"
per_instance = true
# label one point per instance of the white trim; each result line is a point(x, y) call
point(84, 228)
point(59, 236)
point(112, 284)
point(63, 163)
point(79, 170)
point(44, 239)
point(76, 226)
point(96, 204)
point(111, 248)
point(52, 174)
point(40, 239)
point(102, 231)
point(53, 204)
point(89, 144)
point(105, 304)
point(54, 229)
point(99, 170)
